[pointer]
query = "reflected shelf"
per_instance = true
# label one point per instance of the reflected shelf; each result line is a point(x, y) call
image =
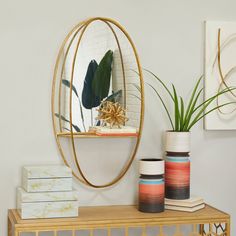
point(94, 135)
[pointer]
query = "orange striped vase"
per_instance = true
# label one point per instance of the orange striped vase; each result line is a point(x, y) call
point(177, 177)
point(151, 185)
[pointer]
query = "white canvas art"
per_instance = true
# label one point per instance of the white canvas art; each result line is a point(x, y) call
point(220, 73)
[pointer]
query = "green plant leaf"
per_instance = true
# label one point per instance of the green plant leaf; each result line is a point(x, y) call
point(68, 84)
point(226, 90)
point(191, 111)
point(102, 76)
point(181, 114)
point(164, 105)
point(136, 96)
point(162, 83)
point(206, 103)
point(137, 87)
point(186, 118)
point(89, 99)
point(66, 129)
point(82, 114)
point(77, 129)
point(213, 109)
point(176, 109)
point(191, 101)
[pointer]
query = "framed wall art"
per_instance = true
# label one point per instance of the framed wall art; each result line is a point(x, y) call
point(220, 73)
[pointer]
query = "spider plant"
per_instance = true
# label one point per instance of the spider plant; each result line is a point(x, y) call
point(187, 114)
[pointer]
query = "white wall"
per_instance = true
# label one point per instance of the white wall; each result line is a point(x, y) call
point(169, 36)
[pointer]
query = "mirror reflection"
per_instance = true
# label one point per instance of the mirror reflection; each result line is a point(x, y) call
point(99, 88)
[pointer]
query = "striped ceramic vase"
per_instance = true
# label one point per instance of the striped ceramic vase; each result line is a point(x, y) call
point(151, 185)
point(177, 165)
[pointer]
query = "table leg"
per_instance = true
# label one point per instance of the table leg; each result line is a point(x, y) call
point(201, 229)
point(9, 227)
point(227, 228)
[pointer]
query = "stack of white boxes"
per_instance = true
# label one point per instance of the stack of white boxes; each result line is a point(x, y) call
point(47, 193)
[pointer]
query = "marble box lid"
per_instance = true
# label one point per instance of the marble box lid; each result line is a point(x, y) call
point(50, 171)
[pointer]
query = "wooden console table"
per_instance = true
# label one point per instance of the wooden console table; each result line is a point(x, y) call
point(206, 222)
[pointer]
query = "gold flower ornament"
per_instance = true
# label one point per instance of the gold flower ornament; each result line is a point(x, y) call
point(112, 114)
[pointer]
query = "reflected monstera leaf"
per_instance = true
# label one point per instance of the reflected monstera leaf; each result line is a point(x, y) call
point(89, 99)
point(102, 77)
point(115, 96)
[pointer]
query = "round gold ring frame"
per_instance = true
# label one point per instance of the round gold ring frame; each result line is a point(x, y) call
point(82, 27)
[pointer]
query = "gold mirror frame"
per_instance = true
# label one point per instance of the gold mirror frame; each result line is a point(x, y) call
point(82, 27)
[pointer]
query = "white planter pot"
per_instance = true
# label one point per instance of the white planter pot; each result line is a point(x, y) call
point(177, 142)
point(151, 166)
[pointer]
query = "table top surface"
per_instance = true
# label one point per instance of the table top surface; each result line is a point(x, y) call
point(112, 215)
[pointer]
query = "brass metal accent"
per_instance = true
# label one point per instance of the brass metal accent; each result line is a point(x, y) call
point(210, 220)
point(109, 231)
point(223, 77)
point(126, 231)
point(80, 28)
point(144, 231)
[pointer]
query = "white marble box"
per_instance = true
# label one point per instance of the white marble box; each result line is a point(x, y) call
point(39, 210)
point(23, 196)
point(47, 205)
point(46, 178)
point(47, 185)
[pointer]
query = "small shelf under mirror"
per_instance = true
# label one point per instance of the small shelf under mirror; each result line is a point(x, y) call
point(94, 135)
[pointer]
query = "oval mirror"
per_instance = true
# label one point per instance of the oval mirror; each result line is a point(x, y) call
point(97, 101)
